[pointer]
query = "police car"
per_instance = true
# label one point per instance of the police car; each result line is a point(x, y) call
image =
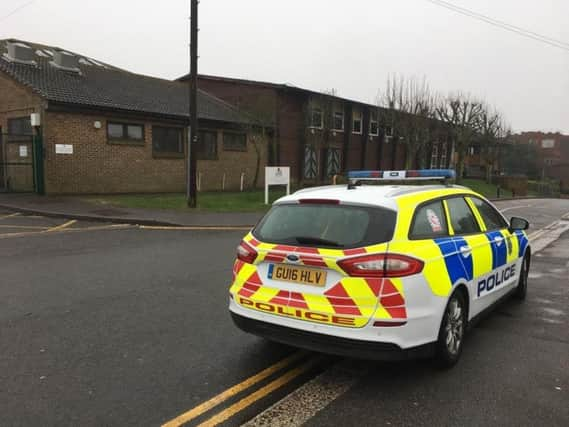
point(378, 271)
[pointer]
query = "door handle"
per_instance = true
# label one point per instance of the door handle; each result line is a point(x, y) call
point(465, 251)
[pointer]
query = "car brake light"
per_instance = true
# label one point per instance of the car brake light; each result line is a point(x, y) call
point(381, 265)
point(246, 253)
point(319, 202)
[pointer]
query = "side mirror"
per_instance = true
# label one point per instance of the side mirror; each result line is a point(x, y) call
point(517, 223)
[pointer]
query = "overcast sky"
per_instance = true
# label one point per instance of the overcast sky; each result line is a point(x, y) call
point(323, 44)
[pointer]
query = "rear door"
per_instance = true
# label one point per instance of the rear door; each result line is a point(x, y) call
point(296, 272)
point(471, 243)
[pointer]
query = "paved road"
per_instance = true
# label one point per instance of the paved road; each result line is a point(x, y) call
point(103, 325)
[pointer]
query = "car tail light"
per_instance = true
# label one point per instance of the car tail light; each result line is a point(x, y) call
point(246, 253)
point(381, 265)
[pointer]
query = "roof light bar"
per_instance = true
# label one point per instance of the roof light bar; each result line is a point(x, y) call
point(421, 174)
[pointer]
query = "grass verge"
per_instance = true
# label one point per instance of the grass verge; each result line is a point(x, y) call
point(246, 201)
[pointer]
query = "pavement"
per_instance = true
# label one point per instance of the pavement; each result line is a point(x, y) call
point(76, 208)
point(125, 324)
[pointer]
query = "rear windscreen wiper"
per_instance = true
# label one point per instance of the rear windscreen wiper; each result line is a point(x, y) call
point(307, 240)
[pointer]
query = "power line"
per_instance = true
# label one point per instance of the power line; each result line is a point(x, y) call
point(503, 25)
point(16, 10)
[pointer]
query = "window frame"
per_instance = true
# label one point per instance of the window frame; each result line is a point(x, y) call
point(200, 141)
point(233, 132)
point(373, 120)
point(334, 116)
point(471, 199)
point(449, 222)
point(410, 235)
point(443, 199)
point(125, 139)
point(357, 115)
point(316, 110)
point(169, 154)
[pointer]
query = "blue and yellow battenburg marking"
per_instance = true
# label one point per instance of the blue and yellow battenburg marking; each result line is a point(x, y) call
point(458, 262)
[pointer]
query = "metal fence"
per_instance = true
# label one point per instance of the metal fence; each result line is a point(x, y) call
point(17, 163)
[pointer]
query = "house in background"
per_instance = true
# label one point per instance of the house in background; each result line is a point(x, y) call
point(107, 130)
point(319, 135)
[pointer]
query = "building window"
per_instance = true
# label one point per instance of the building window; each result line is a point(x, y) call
point(316, 118)
point(357, 122)
point(20, 126)
point(547, 143)
point(333, 158)
point(310, 163)
point(443, 163)
point(389, 132)
point(435, 156)
point(338, 121)
point(234, 141)
point(167, 141)
point(126, 132)
point(373, 124)
point(207, 145)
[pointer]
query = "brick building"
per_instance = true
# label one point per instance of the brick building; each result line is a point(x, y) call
point(550, 148)
point(318, 135)
point(107, 130)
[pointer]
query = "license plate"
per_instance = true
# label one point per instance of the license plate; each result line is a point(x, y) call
point(289, 273)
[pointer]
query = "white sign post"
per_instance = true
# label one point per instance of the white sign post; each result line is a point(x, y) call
point(276, 175)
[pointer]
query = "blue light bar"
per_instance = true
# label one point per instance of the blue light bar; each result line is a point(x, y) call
point(402, 174)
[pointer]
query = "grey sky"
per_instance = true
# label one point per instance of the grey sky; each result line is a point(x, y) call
point(323, 44)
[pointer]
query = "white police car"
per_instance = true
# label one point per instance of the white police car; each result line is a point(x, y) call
point(378, 271)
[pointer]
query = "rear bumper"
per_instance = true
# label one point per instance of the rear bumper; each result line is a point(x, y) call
point(370, 350)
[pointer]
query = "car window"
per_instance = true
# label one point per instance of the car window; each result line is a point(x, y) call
point(429, 222)
point(461, 216)
point(492, 218)
point(326, 225)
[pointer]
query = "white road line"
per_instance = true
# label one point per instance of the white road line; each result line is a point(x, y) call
point(10, 215)
point(305, 402)
point(515, 207)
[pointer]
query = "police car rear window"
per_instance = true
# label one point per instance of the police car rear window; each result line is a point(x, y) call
point(326, 225)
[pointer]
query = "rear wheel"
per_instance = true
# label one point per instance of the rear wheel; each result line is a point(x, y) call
point(522, 288)
point(451, 334)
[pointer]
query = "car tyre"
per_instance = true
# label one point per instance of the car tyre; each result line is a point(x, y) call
point(452, 331)
point(522, 288)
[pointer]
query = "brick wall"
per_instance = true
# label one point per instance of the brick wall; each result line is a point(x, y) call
point(232, 164)
point(97, 166)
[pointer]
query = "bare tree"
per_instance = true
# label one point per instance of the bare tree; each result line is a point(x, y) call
point(493, 130)
point(408, 107)
point(462, 114)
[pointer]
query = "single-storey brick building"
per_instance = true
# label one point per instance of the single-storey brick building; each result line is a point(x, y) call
point(106, 130)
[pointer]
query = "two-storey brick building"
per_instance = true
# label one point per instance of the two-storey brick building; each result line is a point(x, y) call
point(107, 130)
point(318, 134)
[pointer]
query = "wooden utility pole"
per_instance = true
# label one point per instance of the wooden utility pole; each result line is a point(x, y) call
point(192, 197)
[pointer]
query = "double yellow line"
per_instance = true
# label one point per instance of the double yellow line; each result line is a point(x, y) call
point(248, 400)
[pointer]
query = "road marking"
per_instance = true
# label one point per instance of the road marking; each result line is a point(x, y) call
point(516, 207)
point(259, 394)
point(10, 215)
point(232, 391)
point(65, 230)
point(193, 228)
point(306, 401)
point(31, 227)
point(62, 226)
